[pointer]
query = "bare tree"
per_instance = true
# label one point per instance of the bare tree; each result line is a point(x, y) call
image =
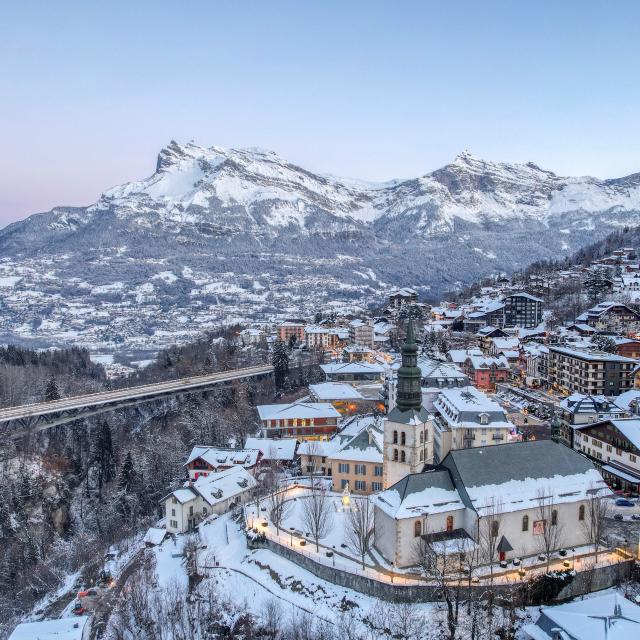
point(489, 532)
point(547, 530)
point(441, 567)
point(594, 514)
point(359, 528)
point(279, 506)
point(316, 514)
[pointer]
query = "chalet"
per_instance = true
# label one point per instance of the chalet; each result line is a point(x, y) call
point(508, 348)
point(627, 347)
point(213, 494)
point(486, 492)
point(467, 418)
point(400, 297)
point(344, 397)
point(614, 445)
point(578, 409)
point(612, 317)
point(485, 336)
point(490, 313)
point(205, 460)
point(302, 420)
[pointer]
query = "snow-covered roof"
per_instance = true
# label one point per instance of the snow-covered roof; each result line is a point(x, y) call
point(304, 410)
point(274, 448)
point(223, 485)
point(602, 617)
point(351, 367)
point(625, 399)
point(58, 629)
point(583, 354)
point(578, 403)
point(486, 362)
point(506, 343)
point(334, 391)
point(154, 536)
point(460, 355)
point(522, 294)
point(366, 446)
point(184, 495)
point(463, 408)
point(420, 494)
point(217, 457)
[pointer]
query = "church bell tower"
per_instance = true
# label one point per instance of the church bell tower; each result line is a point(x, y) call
point(408, 428)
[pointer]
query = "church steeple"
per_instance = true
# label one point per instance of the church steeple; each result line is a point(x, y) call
point(408, 390)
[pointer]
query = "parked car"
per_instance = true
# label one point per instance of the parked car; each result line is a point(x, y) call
point(624, 502)
point(635, 516)
point(618, 516)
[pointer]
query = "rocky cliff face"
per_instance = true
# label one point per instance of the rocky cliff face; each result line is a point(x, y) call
point(218, 232)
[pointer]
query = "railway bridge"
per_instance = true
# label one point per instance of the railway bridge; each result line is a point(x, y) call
point(16, 422)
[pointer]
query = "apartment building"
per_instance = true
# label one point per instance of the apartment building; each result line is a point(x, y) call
point(589, 372)
point(614, 445)
point(522, 310)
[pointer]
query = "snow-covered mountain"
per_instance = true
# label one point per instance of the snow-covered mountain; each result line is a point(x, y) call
point(276, 235)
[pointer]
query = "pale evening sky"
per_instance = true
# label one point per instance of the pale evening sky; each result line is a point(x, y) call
point(90, 91)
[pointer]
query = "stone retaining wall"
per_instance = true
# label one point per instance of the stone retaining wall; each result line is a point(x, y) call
point(583, 582)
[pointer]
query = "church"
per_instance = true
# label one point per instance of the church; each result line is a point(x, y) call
point(509, 493)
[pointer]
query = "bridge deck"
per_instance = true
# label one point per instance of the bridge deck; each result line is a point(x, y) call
point(131, 393)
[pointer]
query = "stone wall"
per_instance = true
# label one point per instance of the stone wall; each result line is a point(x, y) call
point(583, 582)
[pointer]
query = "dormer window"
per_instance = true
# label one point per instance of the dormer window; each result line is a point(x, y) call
point(484, 418)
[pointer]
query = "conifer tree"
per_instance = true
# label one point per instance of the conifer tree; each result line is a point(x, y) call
point(52, 392)
point(127, 474)
point(280, 361)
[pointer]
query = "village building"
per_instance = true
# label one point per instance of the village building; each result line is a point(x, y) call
point(614, 445)
point(203, 461)
point(325, 338)
point(353, 372)
point(589, 372)
point(253, 337)
point(281, 451)
point(608, 616)
point(67, 628)
point(357, 353)
point(578, 409)
point(344, 397)
point(213, 494)
point(522, 310)
point(490, 313)
point(627, 347)
point(399, 297)
point(315, 455)
point(302, 420)
point(467, 418)
point(358, 463)
point(612, 317)
point(292, 329)
point(362, 333)
point(485, 372)
point(408, 429)
point(510, 492)
point(485, 337)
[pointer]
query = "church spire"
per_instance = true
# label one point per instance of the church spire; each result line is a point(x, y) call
point(409, 391)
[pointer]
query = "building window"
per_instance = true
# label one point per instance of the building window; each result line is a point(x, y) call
point(343, 483)
point(495, 526)
point(449, 523)
point(581, 512)
point(421, 437)
point(395, 437)
point(403, 438)
point(343, 467)
point(378, 470)
point(361, 485)
point(417, 529)
point(554, 517)
point(361, 470)
point(403, 457)
point(525, 523)
point(376, 486)
point(632, 458)
point(173, 512)
point(174, 524)
point(395, 455)
point(421, 456)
